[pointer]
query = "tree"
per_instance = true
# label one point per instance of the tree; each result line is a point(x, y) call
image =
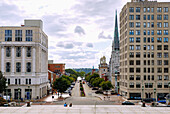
point(71, 71)
point(106, 85)
point(2, 82)
point(97, 81)
point(61, 84)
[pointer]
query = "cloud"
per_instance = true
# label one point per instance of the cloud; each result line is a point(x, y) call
point(51, 47)
point(102, 36)
point(65, 45)
point(79, 30)
point(89, 45)
point(69, 46)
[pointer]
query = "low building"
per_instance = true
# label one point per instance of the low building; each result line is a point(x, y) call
point(58, 68)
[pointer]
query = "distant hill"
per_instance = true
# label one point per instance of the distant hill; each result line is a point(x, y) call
point(86, 70)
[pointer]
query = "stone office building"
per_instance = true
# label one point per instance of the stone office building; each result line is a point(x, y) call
point(24, 59)
point(144, 49)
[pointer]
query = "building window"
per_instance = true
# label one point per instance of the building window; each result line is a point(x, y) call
point(131, 70)
point(137, 9)
point(152, 24)
point(137, 32)
point(166, 70)
point(137, 24)
point(165, 85)
point(165, 47)
point(144, 47)
point(137, 17)
point(166, 62)
point(131, 62)
point(131, 85)
point(159, 39)
point(137, 47)
point(144, 39)
point(152, 39)
point(18, 67)
point(152, 70)
point(148, 17)
point(159, 32)
point(18, 35)
point(137, 85)
point(137, 40)
point(144, 17)
point(159, 85)
point(166, 77)
point(19, 81)
point(159, 55)
point(137, 62)
point(137, 54)
point(137, 77)
point(144, 9)
point(131, 54)
point(144, 25)
point(159, 62)
point(159, 77)
point(131, 24)
point(144, 77)
point(159, 17)
point(131, 17)
point(152, 32)
point(8, 51)
point(131, 47)
point(159, 24)
point(26, 81)
point(165, 32)
point(131, 77)
point(29, 81)
point(165, 24)
point(28, 35)
point(131, 39)
point(131, 32)
point(8, 67)
point(8, 81)
point(131, 9)
point(144, 54)
point(18, 51)
point(152, 47)
point(152, 17)
point(15, 81)
point(8, 35)
point(159, 70)
point(144, 32)
point(165, 9)
point(28, 51)
point(159, 47)
point(165, 40)
point(159, 9)
point(165, 17)
point(152, 9)
point(28, 67)
point(148, 9)
point(152, 77)
point(148, 32)
point(166, 55)
point(137, 70)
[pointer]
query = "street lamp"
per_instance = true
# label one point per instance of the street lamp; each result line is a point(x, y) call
point(7, 92)
point(142, 92)
point(154, 93)
point(18, 95)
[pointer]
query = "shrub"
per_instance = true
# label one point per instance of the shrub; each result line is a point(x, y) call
point(2, 101)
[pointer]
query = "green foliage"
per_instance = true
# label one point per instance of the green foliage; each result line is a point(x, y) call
point(106, 85)
point(90, 78)
point(71, 71)
point(2, 101)
point(61, 84)
point(96, 82)
point(71, 79)
point(73, 76)
point(2, 82)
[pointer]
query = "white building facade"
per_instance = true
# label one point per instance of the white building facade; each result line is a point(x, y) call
point(24, 59)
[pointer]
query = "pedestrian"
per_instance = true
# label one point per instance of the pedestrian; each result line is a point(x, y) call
point(65, 104)
point(70, 105)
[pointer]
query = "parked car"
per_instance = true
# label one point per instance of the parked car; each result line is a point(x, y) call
point(99, 92)
point(149, 100)
point(127, 103)
point(95, 88)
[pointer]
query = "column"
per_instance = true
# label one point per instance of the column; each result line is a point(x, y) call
point(13, 61)
point(23, 61)
point(2, 59)
point(33, 61)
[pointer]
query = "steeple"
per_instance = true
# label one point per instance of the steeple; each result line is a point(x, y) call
point(116, 35)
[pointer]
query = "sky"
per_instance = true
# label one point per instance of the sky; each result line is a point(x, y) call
point(79, 32)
